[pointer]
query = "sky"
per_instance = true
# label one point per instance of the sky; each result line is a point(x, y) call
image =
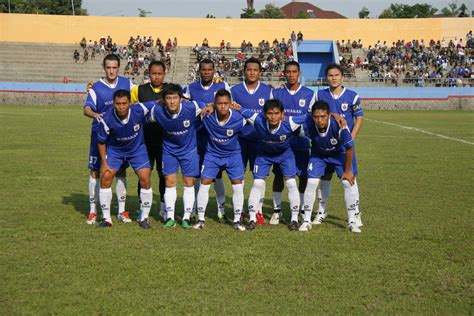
point(233, 8)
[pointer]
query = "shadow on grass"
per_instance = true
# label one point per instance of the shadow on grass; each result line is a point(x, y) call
point(80, 202)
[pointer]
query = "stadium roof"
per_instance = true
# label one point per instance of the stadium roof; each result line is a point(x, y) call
point(293, 8)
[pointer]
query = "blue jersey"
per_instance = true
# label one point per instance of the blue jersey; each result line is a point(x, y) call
point(347, 104)
point(123, 136)
point(297, 102)
point(332, 142)
point(277, 141)
point(197, 92)
point(251, 101)
point(179, 130)
point(223, 137)
point(101, 96)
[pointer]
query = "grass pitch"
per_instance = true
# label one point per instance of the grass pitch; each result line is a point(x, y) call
point(415, 254)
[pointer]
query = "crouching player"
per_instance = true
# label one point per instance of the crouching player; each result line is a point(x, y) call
point(274, 133)
point(331, 146)
point(120, 140)
point(222, 153)
point(177, 120)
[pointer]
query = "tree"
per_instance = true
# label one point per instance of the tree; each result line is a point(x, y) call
point(463, 11)
point(406, 11)
point(453, 10)
point(271, 12)
point(364, 13)
point(210, 16)
point(54, 7)
point(302, 15)
point(142, 12)
point(248, 13)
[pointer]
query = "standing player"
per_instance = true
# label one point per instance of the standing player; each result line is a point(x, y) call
point(99, 100)
point(251, 94)
point(204, 91)
point(178, 121)
point(346, 103)
point(120, 139)
point(152, 132)
point(332, 147)
point(222, 153)
point(297, 100)
point(274, 133)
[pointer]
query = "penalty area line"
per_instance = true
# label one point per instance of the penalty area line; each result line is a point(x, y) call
point(421, 131)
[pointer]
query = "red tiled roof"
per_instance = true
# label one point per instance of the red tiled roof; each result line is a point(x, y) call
point(293, 8)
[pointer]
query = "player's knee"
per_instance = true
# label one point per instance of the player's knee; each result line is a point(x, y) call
point(106, 180)
point(145, 183)
point(312, 184)
point(259, 183)
point(206, 181)
point(346, 184)
point(188, 181)
point(290, 183)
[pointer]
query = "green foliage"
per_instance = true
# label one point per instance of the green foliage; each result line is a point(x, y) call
point(210, 16)
point(143, 13)
point(453, 10)
point(302, 15)
point(406, 11)
point(414, 255)
point(364, 13)
point(248, 13)
point(271, 11)
point(54, 7)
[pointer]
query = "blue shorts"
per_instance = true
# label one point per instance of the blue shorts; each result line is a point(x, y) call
point(94, 155)
point(189, 164)
point(318, 165)
point(214, 165)
point(301, 159)
point(249, 152)
point(330, 168)
point(285, 161)
point(119, 161)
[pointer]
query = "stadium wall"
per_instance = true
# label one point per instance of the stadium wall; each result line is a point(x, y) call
point(189, 31)
point(401, 98)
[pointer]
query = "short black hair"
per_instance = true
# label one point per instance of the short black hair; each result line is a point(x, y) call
point(334, 66)
point(111, 57)
point(172, 88)
point(253, 60)
point(206, 61)
point(292, 63)
point(156, 63)
point(222, 93)
point(273, 104)
point(122, 93)
point(320, 105)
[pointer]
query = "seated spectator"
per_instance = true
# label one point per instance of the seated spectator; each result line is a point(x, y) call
point(85, 58)
point(169, 45)
point(228, 46)
point(83, 43)
point(299, 37)
point(205, 43)
point(76, 56)
point(221, 46)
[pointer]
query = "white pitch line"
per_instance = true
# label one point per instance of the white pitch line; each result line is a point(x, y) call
point(421, 131)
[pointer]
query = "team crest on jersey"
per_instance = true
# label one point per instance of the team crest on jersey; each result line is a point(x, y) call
point(302, 102)
point(136, 127)
point(230, 132)
point(333, 141)
point(344, 106)
point(261, 101)
point(186, 123)
point(282, 138)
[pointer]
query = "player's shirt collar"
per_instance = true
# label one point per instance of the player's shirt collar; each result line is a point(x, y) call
point(124, 121)
point(110, 85)
point(327, 129)
point(337, 97)
point(157, 89)
point(226, 121)
point(247, 89)
point(205, 88)
point(293, 92)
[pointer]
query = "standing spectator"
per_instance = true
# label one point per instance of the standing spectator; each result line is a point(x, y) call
point(175, 44)
point(86, 56)
point(221, 46)
point(299, 37)
point(83, 43)
point(293, 36)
